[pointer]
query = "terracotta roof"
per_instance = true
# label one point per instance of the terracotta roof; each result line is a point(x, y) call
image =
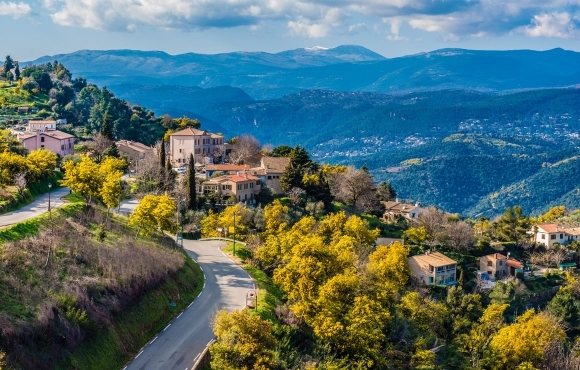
point(550, 228)
point(189, 131)
point(497, 256)
point(235, 178)
point(25, 136)
point(57, 134)
point(226, 167)
point(275, 163)
point(573, 231)
point(434, 259)
point(515, 264)
point(134, 145)
point(399, 207)
point(42, 122)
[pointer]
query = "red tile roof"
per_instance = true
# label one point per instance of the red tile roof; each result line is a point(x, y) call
point(550, 228)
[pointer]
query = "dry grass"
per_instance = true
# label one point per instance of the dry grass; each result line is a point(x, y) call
point(46, 307)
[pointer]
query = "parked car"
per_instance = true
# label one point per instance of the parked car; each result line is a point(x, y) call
point(181, 170)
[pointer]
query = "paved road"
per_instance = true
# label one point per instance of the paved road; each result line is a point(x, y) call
point(127, 206)
point(226, 285)
point(36, 208)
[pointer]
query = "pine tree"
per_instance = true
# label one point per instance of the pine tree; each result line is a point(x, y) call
point(8, 65)
point(17, 72)
point(191, 192)
point(106, 128)
point(162, 154)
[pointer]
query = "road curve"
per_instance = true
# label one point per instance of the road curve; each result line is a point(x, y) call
point(37, 207)
point(180, 343)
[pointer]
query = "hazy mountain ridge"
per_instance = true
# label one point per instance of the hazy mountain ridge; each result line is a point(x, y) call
point(344, 68)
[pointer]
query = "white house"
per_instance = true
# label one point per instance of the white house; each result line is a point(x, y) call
point(548, 234)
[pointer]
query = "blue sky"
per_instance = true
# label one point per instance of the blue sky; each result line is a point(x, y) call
point(33, 28)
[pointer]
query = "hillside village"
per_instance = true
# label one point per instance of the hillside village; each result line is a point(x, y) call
point(353, 276)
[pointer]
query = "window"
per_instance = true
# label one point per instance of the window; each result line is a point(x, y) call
point(543, 236)
point(180, 150)
point(245, 186)
point(430, 268)
point(269, 177)
point(258, 182)
point(561, 236)
point(42, 146)
point(553, 237)
point(489, 263)
point(500, 263)
point(251, 185)
point(42, 139)
point(430, 279)
point(412, 215)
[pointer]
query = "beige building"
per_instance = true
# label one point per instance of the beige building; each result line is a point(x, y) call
point(497, 265)
point(433, 268)
point(243, 187)
point(43, 134)
point(204, 146)
point(270, 171)
point(395, 208)
point(134, 150)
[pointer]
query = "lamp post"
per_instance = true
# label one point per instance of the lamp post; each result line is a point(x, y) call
point(234, 234)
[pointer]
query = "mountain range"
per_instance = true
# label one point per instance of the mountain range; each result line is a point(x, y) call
point(468, 131)
point(344, 68)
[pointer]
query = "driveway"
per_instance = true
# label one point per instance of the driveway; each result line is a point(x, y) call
point(36, 208)
point(183, 340)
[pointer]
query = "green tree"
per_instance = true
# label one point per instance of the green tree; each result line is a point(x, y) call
point(8, 65)
point(106, 130)
point(386, 192)
point(562, 307)
point(17, 72)
point(513, 225)
point(162, 154)
point(191, 185)
point(282, 151)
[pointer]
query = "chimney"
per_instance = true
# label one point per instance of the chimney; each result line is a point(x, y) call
point(508, 255)
point(418, 204)
point(245, 174)
point(496, 256)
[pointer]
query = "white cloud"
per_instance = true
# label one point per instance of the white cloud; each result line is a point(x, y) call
point(14, 10)
point(318, 18)
point(560, 25)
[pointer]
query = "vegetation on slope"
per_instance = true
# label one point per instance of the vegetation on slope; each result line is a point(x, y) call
point(78, 296)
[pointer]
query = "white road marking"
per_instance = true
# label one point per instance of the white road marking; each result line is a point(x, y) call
point(139, 354)
point(203, 286)
point(204, 277)
point(167, 327)
point(179, 315)
point(190, 304)
point(196, 357)
point(210, 342)
point(153, 340)
point(125, 368)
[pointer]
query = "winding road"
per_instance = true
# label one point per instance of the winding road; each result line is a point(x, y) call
point(179, 345)
point(37, 207)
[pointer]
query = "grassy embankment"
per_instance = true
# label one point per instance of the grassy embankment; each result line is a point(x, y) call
point(10, 200)
point(11, 98)
point(92, 312)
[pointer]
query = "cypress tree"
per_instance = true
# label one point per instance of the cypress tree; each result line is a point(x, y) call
point(106, 128)
point(162, 158)
point(191, 191)
point(17, 72)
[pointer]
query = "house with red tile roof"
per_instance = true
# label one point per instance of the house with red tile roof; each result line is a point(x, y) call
point(43, 134)
point(496, 265)
point(243, 187)
point(549, 233)
point(204, 146)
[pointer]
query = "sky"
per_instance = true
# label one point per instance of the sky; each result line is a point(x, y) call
point(34, 28)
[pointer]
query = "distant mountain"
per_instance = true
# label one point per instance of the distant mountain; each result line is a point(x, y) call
point(344, 68)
